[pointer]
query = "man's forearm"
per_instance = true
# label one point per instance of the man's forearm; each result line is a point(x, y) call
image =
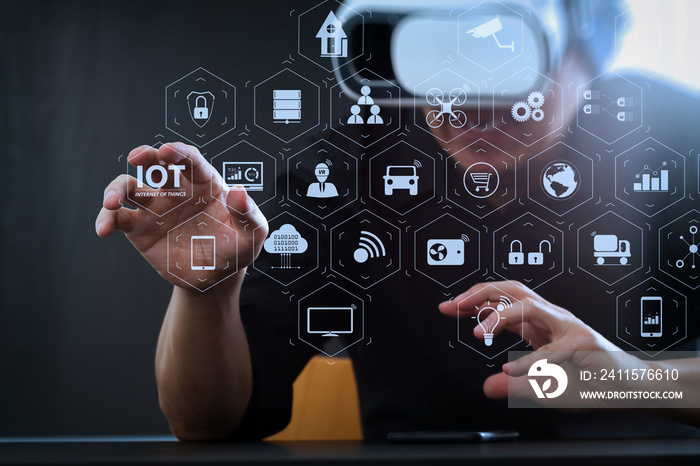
point(203, 366)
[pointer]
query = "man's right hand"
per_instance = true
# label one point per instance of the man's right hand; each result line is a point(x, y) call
point(150, 238)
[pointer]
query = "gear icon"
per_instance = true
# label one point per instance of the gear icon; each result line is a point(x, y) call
point(535, 99)
point(521, 111)
point(538, 114)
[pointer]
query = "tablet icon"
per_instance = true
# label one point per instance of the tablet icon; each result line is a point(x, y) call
point(651, 313)
point(203, 252)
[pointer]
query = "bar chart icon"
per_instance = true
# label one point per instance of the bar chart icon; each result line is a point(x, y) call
point(286, 106)
point(652, 181)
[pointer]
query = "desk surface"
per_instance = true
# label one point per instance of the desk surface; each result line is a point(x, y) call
point(571, 453)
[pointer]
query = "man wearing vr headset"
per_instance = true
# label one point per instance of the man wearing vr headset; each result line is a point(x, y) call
point(222, 365)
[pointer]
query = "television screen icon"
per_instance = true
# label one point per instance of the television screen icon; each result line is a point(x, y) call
point(330, 321)
point(246, 174)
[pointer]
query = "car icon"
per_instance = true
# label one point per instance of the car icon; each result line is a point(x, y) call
point(400, 177)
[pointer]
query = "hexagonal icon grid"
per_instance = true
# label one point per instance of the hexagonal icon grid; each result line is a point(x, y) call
point(290, 250)
point(493, 30)
point(499, 303)
point(560, 179)
point(323, 35)
point(528, 250)
point(679, 249)
point(365, 249)
point(533, 118)
point(610, 107)
point(609, 248)
point(200, 107)
point(331, 311)
point(286, 105)
point(443, 94)
point(447, 250)
point(322, 178)
point(650, 177)
point(160, 188)
point(402, 177)
point(481, 178)
point(358, 112)
point(651, 317)
point(199, 251)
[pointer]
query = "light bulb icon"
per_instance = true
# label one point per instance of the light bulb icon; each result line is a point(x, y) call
point(489, 325)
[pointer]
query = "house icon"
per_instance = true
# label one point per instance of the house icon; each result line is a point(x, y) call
point(334, 42)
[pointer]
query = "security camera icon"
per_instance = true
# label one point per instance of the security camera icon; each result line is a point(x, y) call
point(490, 28)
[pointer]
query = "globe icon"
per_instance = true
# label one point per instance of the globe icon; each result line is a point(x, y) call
point(560, 180)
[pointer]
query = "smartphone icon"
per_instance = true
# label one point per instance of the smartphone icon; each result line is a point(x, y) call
point(203, 251)
point(652, 312)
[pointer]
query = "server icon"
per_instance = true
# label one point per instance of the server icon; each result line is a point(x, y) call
point(286, 106)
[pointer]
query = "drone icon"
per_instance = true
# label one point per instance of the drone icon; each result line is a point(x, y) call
point(435, 118)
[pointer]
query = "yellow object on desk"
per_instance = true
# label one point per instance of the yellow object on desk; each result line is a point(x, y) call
point(325, 404)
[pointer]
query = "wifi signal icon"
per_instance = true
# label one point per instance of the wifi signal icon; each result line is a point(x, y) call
point(370, 247)
point(504, 303)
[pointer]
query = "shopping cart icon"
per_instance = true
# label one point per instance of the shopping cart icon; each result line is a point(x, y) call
point(481, 181)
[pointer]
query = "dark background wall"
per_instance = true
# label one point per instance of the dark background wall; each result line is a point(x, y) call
point(82, 83)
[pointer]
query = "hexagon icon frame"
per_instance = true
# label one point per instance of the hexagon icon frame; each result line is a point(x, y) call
point(338, 151)
point(161, 192)
point(522, 34)
point(343, 88)
point(311, 269)
point(554, 235)
point(334, 60)
point(650, 283)
point(225, 88)
point(362, 318)
point(205, 217)
point(589, 166)
point(395, 267)
point(586, 86)
point(513, 180)
point(269, 131)
point(475, 233)
point(680, 160)
point(432, 184)
point(632, 270)
point(259, 203)
point(466, 88)
point(625, 19)
point(506, 301)
point(550, 93)
point(665, 232)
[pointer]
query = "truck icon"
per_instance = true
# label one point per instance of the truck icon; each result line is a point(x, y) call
point(610, 246)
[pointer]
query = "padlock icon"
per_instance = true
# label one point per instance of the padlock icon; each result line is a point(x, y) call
point(201, 112)
point(537, 258)
point(516, 257)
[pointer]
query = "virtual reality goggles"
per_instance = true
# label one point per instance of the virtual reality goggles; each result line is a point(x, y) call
point(482, 44)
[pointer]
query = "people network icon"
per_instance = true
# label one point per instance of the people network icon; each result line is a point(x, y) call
point(365, 101)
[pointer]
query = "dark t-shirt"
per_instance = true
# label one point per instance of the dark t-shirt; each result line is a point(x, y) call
point(414, 371)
